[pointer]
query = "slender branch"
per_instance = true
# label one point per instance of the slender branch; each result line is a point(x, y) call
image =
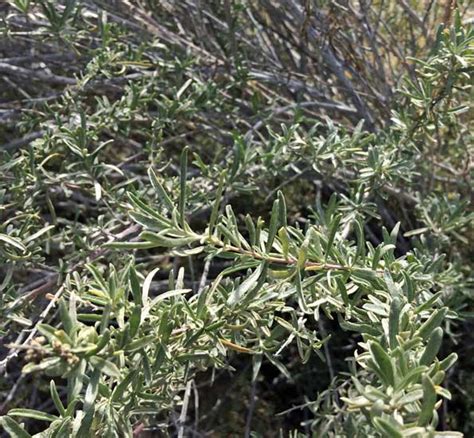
point(14, 70)
point(290, 261)
point(184, 409)
point(251, 409)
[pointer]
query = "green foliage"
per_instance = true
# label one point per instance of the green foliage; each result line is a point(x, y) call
point(159, 227)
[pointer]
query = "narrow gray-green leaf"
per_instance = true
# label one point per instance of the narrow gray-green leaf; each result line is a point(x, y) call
point(383, 361)
point(131, 245)
point(13, 428)
point(122, 386)
point(135, 286)
point(432, 322)
point(169, 294)
point(13, 241)
point(32, 413)
point(393, 321)
point(429, 401)
point(89, 404)
point(147, 284)
point(299, 292)
point(168, 242)
point(104, 365)
point(449, 361)
point(239, 293)
point(388, 429)
point(281, 209)
point(432, 347)
point(274, 222)
point(162, 193)
point(56, 399)
point(332, 234)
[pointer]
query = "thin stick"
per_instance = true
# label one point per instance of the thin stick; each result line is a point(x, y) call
point(253, 397)
point(184, 409)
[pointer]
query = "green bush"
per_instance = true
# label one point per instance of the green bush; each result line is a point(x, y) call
point(193, 194)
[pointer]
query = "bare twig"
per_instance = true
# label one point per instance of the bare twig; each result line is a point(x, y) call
point(251, 409)
point(49, 78)
point(184, 409)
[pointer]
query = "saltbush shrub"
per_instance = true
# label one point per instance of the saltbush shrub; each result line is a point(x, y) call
point(195, 194)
